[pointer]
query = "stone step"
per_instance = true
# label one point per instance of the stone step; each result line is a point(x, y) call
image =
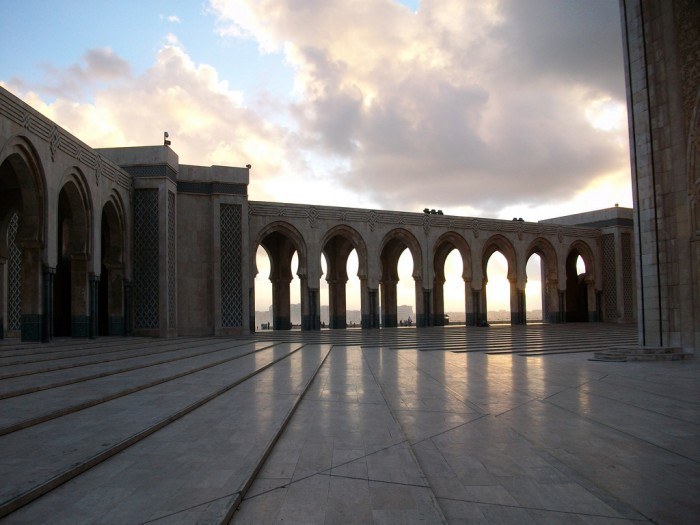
point(31, 409)
point(196, 469)
point(112, 427)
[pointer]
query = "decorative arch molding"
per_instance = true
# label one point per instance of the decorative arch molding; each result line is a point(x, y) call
point(583, 249)
point(357, 241)
point(292, 234)
point(499, 243)
point(443, 247)
point(391, 247)
point(548, 256)
point(77, 192)
point(26, 163)
point(113, 212)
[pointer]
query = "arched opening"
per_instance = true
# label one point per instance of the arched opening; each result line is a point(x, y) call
point(542, 281)
point(21, 243)
point(396, 264)
point(497, 286)
point(534, 289)
point(282, 247)
point(405, 290)
point(343, 290)
point(111, 285)
point(71, 290)
point(501, 300)
point(579, 285)
point(452, 281)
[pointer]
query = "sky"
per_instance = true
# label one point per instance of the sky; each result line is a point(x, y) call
point(498, 108)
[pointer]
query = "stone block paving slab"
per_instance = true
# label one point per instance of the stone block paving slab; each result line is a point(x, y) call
point(342, 459)
point(194, 469)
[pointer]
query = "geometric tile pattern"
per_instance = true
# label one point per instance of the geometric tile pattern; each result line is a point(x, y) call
point(627, 276)
point(231, 275)
point(146, 258)
point(14, 277)
point(609, 277)
point(171, 260)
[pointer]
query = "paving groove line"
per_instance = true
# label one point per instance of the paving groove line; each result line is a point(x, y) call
point(409, 448)
point(226, 518)
point(78, 468)
point(11, 375)
point(115, 395)
point(98, 375)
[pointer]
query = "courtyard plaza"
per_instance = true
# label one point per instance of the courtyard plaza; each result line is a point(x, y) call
point(505, 424)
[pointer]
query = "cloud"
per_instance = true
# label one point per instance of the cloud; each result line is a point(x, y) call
point(173, 19)
point(208, 121)
point(462, 103)
point(96, 67)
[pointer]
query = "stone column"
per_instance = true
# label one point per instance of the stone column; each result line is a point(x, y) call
point(562, 306)
point(32, 323)
point(47, 335)
point(94, 302)
point(517, 303)
point(337, 303)
point(370, 305)
point(115, 301)
point(311, 308)
point(251, 307)
point(469, 304)
point(388, 294)
point(128, 308)
point(424, 316)
point(281, 319)
point(438, 302)
point(550, 301)
point(80, 296)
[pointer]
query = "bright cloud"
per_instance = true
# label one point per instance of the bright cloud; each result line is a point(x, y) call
point(462, 103)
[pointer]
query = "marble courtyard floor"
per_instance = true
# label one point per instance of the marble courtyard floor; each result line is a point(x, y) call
point(436, 425)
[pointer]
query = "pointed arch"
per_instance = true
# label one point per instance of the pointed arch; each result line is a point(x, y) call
point(23, 194)
point(281, 241)
point(445, 244)
point(391, 248)
point(336, 246)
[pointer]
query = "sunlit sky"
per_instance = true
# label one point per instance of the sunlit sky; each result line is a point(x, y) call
point(512, 108)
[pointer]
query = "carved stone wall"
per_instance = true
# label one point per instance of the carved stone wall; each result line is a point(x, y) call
point(146, 258)
point(231, 263)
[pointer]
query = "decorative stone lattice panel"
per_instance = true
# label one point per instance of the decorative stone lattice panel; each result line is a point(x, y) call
point(609, 277)
point(171, 260)
point(231, 274)
point(14, 277)
point(627, 275)
point(146, 258)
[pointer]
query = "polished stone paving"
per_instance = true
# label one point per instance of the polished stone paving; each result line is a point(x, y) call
point(458, 425)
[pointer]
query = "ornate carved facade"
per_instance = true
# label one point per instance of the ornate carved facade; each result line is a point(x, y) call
point(127, 240)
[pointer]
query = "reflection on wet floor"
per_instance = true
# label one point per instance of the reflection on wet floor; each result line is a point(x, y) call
point(489, 425)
